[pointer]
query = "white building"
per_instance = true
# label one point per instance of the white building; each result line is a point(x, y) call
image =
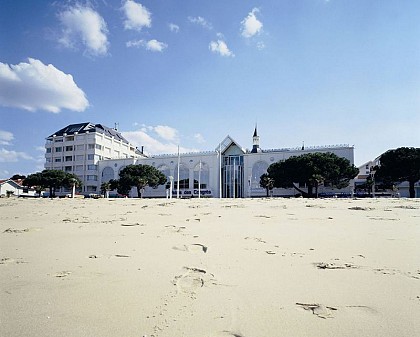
point(78, 148)
point(15, 188)
point(229, 171)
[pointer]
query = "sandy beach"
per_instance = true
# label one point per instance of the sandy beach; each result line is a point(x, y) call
point(209, 267)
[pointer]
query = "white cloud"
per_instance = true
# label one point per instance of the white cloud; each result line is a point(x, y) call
point(199, 138)
point(137, 16)
point(251, 26)
point(260, 45)
point(201, 21)
point(4, 173)
point(7, 156)
point(152, 45)
point(35, 86)
point(166, 132)
point(159, 139)
point(173, 27)
point(83, 25)
point(6, 137)
point(221, 48)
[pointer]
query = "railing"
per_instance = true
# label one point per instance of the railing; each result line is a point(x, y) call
point(321, 147)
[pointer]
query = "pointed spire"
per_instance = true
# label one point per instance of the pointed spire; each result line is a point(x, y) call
point(255, 131)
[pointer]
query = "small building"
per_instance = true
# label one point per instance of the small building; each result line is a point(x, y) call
point(15, 188)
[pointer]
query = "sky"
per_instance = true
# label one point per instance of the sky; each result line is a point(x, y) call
point(188, 73)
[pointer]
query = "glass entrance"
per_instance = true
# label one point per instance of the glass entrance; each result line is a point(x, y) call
point(233, 176)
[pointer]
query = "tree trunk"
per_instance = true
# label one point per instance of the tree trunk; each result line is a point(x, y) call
point(267, 190)
point(411, 189)
point(316, 190)
point(51, 192)
point(310, 191)
point(139, 187)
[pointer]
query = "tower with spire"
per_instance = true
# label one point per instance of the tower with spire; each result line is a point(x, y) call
point(255, 142)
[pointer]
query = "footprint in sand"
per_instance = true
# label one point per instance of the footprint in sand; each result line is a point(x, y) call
point(8, 260)
point(192, 280)
point(318, 310)
point(194, 248)
point(62, 274)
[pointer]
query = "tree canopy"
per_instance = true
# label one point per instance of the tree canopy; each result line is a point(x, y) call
point(52, 179)
point(402, 164)
point(312, 169)
point(139, 176)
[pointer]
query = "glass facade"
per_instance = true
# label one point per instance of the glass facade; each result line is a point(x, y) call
point(233, 176)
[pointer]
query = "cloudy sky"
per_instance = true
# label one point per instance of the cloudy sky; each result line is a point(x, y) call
point(188, 73)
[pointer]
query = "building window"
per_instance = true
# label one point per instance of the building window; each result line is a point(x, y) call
point(69, 139)
point(48, 150)
point(92, 177)
point(57, 160)
point(48, 160)
point(258, 169)
point(67, 168)
point(184, 177)
point(59, 140)
point(107, 174)
point(91, 146)
point(80, 147)
point(69, 148)
point(92, 167)
point(90, 188)
point(58, 149)
point(201, 173)
point(80, 157)
point(98, 146)
point(78, 168)
point(69, 158)
point(90, 156)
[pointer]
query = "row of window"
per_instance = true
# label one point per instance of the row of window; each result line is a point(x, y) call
point(82, 147)
point(76, 158)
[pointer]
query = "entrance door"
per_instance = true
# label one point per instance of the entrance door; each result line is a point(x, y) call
point(233, 177)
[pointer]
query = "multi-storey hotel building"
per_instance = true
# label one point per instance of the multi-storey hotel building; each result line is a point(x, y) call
point(78, 148)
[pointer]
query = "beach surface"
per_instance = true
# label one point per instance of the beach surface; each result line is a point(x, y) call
point(209, 267)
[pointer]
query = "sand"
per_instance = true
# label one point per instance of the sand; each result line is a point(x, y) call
point(209, 267)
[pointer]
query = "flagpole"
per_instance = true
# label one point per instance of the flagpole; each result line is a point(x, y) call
point(199, 181)
point(177, 190)
point(220, 170)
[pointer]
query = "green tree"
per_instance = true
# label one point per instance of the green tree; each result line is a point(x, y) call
point(35, 181)
point(267, 182)
point(53, 180)
point(105, 188)
point(17, 177)
point(312, 169)
point(402, 164)
point(140, 176)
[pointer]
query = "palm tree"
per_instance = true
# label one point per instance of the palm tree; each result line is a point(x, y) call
point(105, 188)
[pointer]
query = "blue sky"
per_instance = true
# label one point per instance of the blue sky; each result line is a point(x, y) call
point(188, 73)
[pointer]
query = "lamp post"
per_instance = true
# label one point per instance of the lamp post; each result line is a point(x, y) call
point(372, 174)
point(171, 186)
point(199, 180)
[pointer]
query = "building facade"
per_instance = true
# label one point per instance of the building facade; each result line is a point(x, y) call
point(229, 171)
point(78, 148)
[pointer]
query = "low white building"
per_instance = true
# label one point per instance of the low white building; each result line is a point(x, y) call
point(228, 171)
point(14, 188)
